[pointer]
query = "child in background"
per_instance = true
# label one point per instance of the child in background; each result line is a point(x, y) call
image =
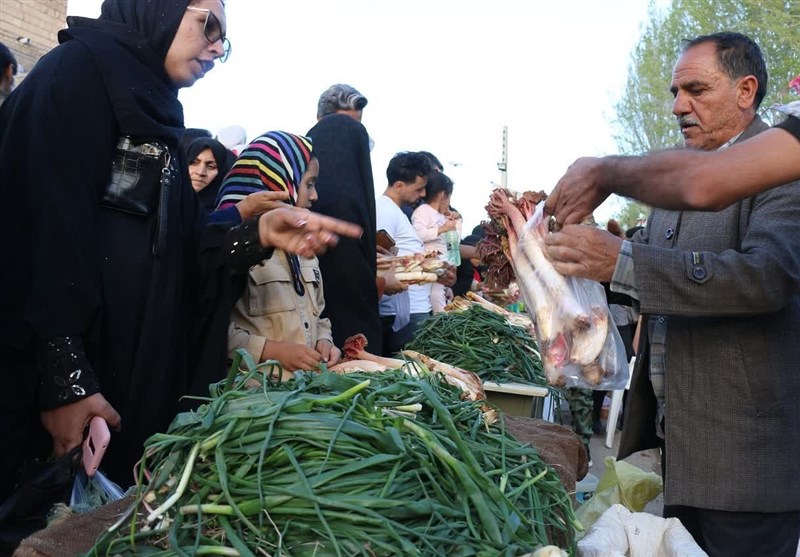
point(431, 220)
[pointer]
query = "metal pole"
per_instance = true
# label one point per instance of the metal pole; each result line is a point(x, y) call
point(503, 164)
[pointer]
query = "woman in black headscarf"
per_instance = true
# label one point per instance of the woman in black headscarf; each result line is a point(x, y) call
point(108, 256)
point(209, 161)
point(346, 191)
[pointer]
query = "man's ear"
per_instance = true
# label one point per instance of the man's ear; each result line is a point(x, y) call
point(746, 90)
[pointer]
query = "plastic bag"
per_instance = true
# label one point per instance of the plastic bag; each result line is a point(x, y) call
point(621, 533)
point(622, 483)
point(578, 341)
point(91, 493)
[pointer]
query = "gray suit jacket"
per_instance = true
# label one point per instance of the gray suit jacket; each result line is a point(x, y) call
point(727, 283)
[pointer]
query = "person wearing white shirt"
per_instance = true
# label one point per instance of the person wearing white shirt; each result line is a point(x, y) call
point(401, 314)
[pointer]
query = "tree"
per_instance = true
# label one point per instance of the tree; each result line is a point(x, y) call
point(643, 114)
point(631, 213)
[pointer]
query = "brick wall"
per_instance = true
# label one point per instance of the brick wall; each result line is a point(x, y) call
point(37, 20)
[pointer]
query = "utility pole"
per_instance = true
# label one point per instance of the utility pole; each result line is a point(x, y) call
point(502, 166)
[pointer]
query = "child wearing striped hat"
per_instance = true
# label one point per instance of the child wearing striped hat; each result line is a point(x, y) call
point(278, 317)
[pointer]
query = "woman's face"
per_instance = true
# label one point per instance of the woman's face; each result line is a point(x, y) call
point(203, 169)
point(307, 191)
point(191, 56)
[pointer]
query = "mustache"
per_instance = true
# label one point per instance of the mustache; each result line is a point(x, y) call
point(684, 121)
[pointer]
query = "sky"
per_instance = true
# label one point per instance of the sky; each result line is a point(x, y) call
point(443, 76)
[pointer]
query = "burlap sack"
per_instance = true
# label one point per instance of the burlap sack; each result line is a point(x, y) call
point(75, 535)
point(558, 446)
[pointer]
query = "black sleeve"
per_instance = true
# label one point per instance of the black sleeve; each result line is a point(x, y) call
point(791, 125)
point(59, 136)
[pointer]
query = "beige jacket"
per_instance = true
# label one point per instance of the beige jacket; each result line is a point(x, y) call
point(270, 309)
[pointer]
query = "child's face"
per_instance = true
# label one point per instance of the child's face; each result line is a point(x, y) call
point(307, 190)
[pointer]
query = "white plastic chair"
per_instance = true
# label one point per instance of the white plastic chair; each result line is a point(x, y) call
point(616, 406)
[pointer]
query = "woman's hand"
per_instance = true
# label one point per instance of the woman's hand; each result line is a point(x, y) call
point(291, 356)
point(261, 202)
point(302, 232)
point(65, 424)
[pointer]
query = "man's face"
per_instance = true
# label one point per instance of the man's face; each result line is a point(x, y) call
point(410, 193)
point(191, 55)
point(706, 99)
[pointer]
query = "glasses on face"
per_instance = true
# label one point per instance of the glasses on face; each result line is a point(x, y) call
point(212, 30)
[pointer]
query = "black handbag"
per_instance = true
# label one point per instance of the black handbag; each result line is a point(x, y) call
point(137, 171)
point(41, 486)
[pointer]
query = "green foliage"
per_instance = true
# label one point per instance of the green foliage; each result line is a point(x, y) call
point(630, 213)
point(644, 118)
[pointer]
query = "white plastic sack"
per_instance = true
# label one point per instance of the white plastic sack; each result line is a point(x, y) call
point(578, 341)
point(621, 533)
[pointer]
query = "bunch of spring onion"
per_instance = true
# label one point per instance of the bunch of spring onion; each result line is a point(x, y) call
point(325, 464)
point(483, 342)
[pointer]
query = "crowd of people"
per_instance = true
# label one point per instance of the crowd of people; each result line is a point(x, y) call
point(144, 255)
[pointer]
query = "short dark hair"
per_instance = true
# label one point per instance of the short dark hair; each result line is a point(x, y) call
point(438, 182)
point(435, 162)
point(407, 167)
point(6, 58)
point(738, 56)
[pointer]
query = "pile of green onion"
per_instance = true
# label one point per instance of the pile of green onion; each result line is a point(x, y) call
point(483, 342)
point(325, 464)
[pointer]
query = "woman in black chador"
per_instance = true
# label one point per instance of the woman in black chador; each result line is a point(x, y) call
point(108, 258)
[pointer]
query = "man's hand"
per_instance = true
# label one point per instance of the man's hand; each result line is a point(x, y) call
point(584, 251)
point(448, 278)
point(302, 232)
point(261, 202)
point(65, 424)
point(384, 252)
point(577, 193)
point(292, 356)
point(330, 354)
point(393, 286)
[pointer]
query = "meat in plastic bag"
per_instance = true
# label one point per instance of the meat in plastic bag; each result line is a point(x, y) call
point(579, 343)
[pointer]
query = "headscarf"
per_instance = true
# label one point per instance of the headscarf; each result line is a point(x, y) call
point(275, 161)
point(224, 160)
point(129, 42)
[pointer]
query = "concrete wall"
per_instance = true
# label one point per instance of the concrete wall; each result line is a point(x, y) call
point(37, 20)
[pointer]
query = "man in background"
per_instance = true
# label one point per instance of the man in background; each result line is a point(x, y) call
point(401, 314)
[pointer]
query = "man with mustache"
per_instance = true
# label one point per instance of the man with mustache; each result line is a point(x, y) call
point(716, 383)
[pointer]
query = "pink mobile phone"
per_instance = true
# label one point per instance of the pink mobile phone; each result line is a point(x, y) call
point(94, 446)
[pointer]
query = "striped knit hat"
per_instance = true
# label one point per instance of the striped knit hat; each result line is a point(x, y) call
point(276, 161)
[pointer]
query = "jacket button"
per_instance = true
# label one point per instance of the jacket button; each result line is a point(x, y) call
point(699, 273)
point(306, 325)
point(669, 233)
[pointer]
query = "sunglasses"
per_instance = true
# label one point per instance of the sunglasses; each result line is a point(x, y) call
point(212, 30)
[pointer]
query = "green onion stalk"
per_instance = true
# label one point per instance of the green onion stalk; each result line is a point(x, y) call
point(332, 465)
point(483, 342)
